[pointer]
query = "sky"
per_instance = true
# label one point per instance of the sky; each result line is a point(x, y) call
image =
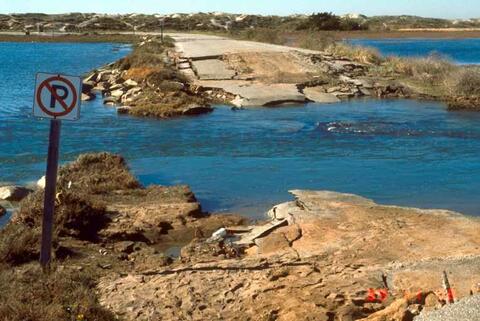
point(460, 9)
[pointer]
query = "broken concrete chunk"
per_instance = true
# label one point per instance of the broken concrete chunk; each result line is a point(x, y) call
point(213, 69)
point(318, 95)
point(259, 231)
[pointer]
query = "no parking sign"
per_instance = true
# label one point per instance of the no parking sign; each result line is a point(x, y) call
point(57, 96)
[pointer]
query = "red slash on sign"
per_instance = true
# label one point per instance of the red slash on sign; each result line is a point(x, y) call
point(57, 96)
point(53, 85)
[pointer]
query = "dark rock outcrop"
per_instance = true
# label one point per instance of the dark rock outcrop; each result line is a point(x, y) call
point(14, 193)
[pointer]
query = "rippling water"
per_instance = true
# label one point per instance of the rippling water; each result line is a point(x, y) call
point(394, 151)
point(462, 51)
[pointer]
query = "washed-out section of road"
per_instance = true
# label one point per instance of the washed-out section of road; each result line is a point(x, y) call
point(258, 74)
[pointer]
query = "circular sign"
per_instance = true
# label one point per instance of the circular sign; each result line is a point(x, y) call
point(47, 84)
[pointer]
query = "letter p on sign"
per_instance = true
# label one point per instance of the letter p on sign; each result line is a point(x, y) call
point(57, 97)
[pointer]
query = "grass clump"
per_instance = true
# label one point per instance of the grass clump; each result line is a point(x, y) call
point(315, 41)
point(76, 215)
point(464, 82)
point(19, 244)
point(361, 54)
point(432, 69)
point(146, 54)
point(166, 92)
point(165, 104)
point(28, 294)
point(97, 173)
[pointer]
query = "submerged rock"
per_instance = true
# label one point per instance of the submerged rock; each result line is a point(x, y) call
point(196, 110)
point(111, 101)
point(124, 110)
point(87, 86)
point(3, 211)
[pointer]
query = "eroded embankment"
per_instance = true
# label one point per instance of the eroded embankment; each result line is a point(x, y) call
point(105, 222)
point(316, 259)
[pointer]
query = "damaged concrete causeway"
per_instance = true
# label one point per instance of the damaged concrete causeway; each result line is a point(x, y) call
point(323, 263)
point(259, 74)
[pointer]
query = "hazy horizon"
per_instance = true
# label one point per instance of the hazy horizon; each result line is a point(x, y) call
point(469, 9)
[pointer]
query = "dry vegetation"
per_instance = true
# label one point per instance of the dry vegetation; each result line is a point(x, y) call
point(433, 76)
point(106, 223)
point(361, 54)
point(464, 82)
point(26, 293)
point(438, 77)
point(164, 104)
point(166, 90)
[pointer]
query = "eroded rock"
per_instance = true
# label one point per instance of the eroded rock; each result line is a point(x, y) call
point(14, 193)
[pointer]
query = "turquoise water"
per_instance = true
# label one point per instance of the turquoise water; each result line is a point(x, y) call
point(395, 151)
point(461, 51)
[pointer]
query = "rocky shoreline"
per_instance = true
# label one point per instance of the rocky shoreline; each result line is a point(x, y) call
point(149, 88)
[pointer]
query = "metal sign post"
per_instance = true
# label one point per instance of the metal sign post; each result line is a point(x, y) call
point(56, 97)
point(50, 191)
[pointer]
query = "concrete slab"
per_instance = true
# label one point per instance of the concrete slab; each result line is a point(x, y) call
point(257, 94)
point(189, 74)
point(318, 95)
point(213, 69)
